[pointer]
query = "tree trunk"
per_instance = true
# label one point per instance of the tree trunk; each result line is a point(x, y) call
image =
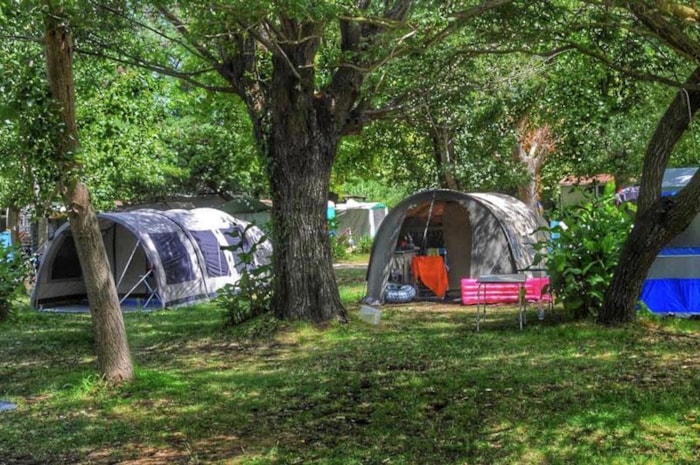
point(659, 219)
point(305, 286)
point(113, 357)
point(529, 192)
point(443, 154)
point(303, 139)
point(13, 223)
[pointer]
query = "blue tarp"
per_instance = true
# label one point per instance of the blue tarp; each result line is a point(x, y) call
point(666, 295)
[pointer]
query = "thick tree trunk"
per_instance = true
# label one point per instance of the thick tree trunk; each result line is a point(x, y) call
point(305, 286)
point(658, 219)
point(302, 144)
point(113, 357)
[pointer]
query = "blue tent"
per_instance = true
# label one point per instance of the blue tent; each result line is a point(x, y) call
point(673, 282)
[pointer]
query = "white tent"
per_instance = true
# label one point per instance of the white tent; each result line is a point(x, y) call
point(158, 258)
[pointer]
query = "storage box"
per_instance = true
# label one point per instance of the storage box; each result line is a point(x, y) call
point(370, 315)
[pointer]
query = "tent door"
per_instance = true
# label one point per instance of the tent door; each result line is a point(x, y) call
point(457, 237)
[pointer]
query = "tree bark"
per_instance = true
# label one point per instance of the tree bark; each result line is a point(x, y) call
point(13, 223)
point(302, 144)
point(659, 219)
point(443, 154)
point(113, 357)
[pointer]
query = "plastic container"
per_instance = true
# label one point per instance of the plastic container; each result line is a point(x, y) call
point(370, 315)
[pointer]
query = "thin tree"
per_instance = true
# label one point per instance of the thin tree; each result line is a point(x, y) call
point(113, 357)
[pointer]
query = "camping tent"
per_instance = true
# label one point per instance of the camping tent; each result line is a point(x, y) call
point(361, 218)
point(673, 280)
point(163, 258)
point(478, 234)
point(247, 208)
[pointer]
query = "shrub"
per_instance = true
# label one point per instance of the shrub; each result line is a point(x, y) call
point(251, 296)
point(339, 247)
point(364, 245)
point(14, 271)
point(582, 259)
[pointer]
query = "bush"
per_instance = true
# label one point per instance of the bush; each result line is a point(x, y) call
point(582, 259)
point(339, 248)
point(364, 245)
point(14, 271)
point(251, 296)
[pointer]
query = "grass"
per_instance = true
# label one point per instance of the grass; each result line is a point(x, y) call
point(423, 387)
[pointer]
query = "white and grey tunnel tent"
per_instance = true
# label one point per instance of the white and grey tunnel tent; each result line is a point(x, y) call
point(159, 258)
point(479, 233)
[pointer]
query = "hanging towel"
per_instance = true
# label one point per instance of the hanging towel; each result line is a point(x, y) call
point(431, 272)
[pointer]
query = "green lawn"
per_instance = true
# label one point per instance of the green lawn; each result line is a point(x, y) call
point(423, 387)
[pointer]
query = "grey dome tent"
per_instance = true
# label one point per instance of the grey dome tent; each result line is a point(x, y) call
point(158, 258)
point(479, 233)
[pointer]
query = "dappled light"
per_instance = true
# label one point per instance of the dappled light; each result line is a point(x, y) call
point(421, 387)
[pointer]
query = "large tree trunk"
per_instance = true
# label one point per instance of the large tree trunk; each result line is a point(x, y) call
point(305, 286)
point(658, 219)
point(113, 357)
point(303, 138)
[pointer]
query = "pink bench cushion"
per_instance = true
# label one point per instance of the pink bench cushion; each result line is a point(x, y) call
point(504, 293)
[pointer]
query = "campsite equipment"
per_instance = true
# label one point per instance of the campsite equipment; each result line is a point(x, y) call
point(370, 315)
point(673, 281)
point(158, 258)
point(477, 234)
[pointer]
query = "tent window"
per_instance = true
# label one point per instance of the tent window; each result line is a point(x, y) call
point(174, 257)
point(67, 261)
point(214, 257)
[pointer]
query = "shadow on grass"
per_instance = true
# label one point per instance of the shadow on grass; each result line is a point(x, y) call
point(422, 387)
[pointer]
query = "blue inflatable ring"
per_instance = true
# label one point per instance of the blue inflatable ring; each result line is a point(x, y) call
point(399, 293)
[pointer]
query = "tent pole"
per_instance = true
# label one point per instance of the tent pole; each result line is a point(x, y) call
point(128, 263)
point(424, 243)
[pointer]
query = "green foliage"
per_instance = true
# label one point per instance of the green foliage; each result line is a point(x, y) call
point(339, 247)
point(251, 296)
point(14, 271)
point(364, 244)
point(582, 259)
point(124, 116)
point(29, 169)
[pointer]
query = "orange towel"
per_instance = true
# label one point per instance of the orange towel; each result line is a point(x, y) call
point(431, 272)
